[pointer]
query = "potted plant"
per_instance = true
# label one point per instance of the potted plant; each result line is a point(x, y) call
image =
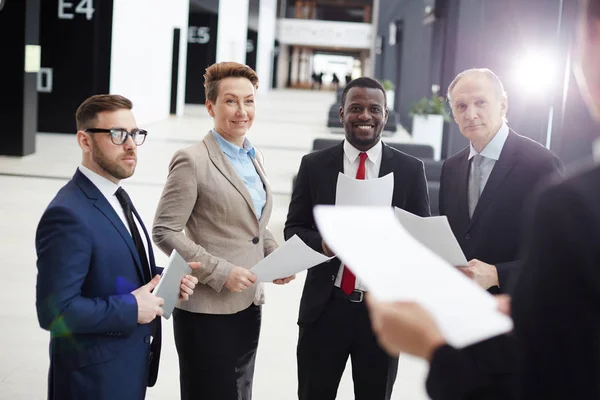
point(428, 116)
point(389, 92)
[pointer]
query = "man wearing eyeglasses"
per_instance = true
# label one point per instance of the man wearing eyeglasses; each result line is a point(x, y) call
point(96, 267)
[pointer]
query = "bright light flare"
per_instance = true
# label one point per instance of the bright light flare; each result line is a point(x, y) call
point(536, 74)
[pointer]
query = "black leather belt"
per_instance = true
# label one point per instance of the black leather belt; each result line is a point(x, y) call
point(357, 296)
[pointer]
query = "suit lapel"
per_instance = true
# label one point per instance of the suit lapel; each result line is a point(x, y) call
point(501, 170)
point(150, 251)
point(387, 161)
point(219, 160)
point(100, 202)
point(463, 188)
point(334, 166)
point(269, 203)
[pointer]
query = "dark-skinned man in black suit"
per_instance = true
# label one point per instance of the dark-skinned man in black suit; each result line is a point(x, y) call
point(556, 297)
point(333, 320)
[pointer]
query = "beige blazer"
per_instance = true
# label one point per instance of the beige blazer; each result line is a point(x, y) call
point(205, 197)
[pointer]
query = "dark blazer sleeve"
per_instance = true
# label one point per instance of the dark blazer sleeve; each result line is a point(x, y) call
point(418, 201)
point(508, 272)
point(452, 375)
point(300, 220)
point(555, 303)
point(64, 246)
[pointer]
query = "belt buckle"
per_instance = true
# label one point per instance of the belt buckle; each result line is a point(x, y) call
point(361, 297)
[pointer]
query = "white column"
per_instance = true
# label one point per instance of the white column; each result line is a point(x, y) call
point(295, 61)
point(232, 30)
point(303, 70)
point(283, 67)
point(267, 15)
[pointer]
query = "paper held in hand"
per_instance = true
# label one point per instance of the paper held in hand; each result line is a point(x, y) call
point(367, 192)
point(435, 234)
point(293, 257)
point(397, 267)
point(170, 281)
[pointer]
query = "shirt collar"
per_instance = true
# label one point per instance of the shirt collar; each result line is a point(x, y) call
point(233, 150)
point(106, 187)
point(373, 153)
point(494, 147)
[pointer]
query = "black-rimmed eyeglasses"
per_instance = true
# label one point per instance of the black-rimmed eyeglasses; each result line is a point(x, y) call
point(119, 135)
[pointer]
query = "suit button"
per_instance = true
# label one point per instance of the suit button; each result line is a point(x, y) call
point(255, 240)
point(147, 339)
point(468, 236)
point(332, 278)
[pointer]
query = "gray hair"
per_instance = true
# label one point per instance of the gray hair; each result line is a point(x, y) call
point(483, 71)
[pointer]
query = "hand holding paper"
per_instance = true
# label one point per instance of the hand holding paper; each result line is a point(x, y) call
point(293, 257)
point(188, 283)
point(397, 267)
point(170, 285)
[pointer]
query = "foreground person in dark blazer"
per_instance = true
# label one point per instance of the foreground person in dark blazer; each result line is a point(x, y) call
point(555, 301)
point(335, 325)
point(95, 269)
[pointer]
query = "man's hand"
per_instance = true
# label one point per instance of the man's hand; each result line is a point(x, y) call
point(503, 304)
point(405, 327)
point(240, 279)
point(485, 275)
point(149, 306)
point(284, 281)
point(326, 250)
point(188, 283)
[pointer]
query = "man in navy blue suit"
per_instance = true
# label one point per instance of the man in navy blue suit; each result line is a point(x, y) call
point(95, 268)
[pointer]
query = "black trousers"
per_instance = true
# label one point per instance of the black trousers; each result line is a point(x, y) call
point(216, 353)
point(343, 330)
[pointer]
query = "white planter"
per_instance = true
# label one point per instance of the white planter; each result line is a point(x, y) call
point(389, 94)
point(428, 129)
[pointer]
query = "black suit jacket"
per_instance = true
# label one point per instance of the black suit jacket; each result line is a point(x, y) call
point(555, 306)
point(494, 233)
point(316, 184)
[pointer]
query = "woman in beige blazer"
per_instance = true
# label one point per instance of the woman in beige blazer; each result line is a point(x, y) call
point(218, 194)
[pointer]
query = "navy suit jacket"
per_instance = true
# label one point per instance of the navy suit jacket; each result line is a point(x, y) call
point(87, 268)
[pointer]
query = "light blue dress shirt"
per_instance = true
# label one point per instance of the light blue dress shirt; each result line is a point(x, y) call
point(491, 154)
point(241, 160)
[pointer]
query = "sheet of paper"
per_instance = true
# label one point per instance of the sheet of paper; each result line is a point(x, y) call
point(397, 267)
point(364, 192)
point(435, 234)
point(292, 257)
point(170, 280)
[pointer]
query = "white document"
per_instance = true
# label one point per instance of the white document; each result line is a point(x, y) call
point(397, 267)
point(170, 280)
point(435, 234)
point(292, 257)
point(364, 192)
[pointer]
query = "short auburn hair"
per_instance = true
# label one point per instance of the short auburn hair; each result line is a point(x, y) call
point(222, 70)
point(88, 110)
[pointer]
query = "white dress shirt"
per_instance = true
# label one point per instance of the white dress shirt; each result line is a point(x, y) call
point(372, 166)
point(108, 189)
point(490, 153)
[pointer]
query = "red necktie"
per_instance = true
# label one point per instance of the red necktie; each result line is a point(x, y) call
point(348, 278)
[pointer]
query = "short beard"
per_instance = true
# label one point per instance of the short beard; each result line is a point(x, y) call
point(363, 143)
point(111, 168)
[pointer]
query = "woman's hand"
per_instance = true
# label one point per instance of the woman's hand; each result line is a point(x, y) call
point(283, 281)
point(240, 279)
